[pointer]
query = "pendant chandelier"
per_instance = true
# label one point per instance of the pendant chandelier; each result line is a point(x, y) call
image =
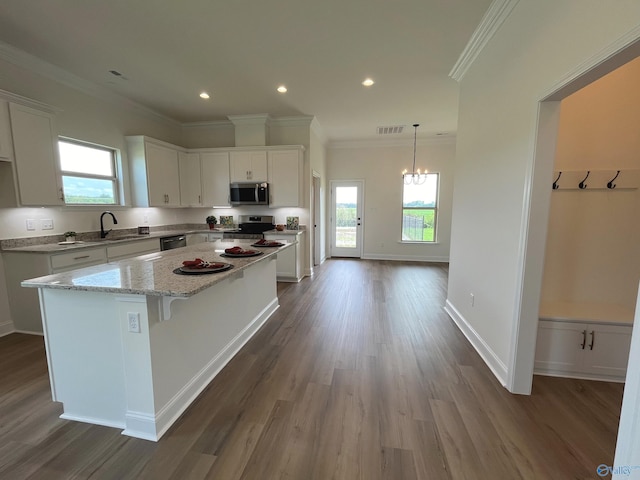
point(415, 177)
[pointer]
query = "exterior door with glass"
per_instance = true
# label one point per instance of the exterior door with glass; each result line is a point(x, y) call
point(346, 218)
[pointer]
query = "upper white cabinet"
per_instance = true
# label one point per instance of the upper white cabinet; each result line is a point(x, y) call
point(248, 166)
point(190, 179)
point(285, 177)
point(215, 179)
point(155, 172)
point(6, 146)
point(35, 142)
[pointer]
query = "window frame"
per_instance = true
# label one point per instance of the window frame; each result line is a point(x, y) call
point(115, 179)
point(435, 209)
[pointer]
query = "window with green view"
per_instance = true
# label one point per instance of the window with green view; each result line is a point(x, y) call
point(88, 173)
point(420, 210)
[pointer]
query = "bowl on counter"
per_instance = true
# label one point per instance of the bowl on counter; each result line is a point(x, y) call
point(280, 228)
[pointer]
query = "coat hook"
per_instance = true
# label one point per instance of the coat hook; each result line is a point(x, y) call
point(555, 182)
point(611, 184)
point(583, 185)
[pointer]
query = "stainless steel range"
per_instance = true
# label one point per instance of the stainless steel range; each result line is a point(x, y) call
point(251, 227)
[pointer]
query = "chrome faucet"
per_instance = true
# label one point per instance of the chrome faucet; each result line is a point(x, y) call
point(103, 234)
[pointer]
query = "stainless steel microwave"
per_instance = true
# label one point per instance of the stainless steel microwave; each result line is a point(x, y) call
point(249, 193)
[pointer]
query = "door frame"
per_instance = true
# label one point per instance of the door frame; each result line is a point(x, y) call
point(358, 251)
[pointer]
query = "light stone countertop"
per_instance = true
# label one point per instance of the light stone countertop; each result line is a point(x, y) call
point(152, 274)
point(55, 247)
point(283, 232)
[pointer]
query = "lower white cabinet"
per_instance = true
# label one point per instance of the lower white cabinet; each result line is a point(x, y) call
point(195, 238)
point(215, 236)
point(289, 263)
point(132, 249)
point(592, 350)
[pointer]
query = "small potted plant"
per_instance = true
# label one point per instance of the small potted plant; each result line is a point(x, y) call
point(70, 236)
point(211, 220)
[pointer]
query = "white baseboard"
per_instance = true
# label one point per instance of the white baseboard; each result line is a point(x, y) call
point(92, 420)
point(498, 368)
point(405, 258)
point(29, 332)
point(6, 328)
point(152, 428)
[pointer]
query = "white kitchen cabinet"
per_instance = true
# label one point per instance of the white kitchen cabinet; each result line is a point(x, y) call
point(190, 179)
point(248, 166)
point(289, 262)
point(19, 266)
point(215, 179)
point(35, 144)
point(155, 172)
point(6, 145)
point(213, 236)
point(121, 251)
point(593, 350)
point(195, 238)
point(285, 177)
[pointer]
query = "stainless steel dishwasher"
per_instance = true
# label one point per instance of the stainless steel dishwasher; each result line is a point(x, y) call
point(174, 241)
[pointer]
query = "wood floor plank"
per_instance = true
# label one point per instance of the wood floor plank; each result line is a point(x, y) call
point(359, 375)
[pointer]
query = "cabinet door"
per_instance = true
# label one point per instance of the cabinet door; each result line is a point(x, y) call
point(35, 142)
point(607, 350)
point(6, 146)
point(190, 179)
point(559, 347)
point(215, 179)
point(248, 166)
point(284, 178)
point(163, 175)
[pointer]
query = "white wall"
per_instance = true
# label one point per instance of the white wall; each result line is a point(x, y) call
point(593, 240)
point(318, 164)
point(381, 169)
point(538, 46)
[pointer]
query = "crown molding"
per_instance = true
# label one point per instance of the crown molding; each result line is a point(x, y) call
point(493, 19)
point(208, 124)
point(251, 119)
point(48, 70)
point(382, 143)
point(319, 132)
point(293, 121)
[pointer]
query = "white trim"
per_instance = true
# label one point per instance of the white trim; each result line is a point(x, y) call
point(30, 332)
point(405, 258)
point(493, 19)
point(36, 65)
point(209, 124)
point(319, 132)
point(494, 363)
point(148, 427)
point(580, 376)
point(395, 142)
point(252, 119)
point(293, 121)
point(6, 328)
point(92, 420)
point(15, 98)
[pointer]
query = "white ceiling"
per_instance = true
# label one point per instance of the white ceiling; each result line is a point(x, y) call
point(241, 50)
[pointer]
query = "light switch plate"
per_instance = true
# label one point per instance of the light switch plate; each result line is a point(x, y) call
point(47, 224)
point(31, 224)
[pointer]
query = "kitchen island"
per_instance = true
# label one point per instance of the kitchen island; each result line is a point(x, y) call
point(131, 344)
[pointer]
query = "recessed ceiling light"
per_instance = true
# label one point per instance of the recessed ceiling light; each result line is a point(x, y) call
point(282, 89)
point(204, 95)
point(368, 82)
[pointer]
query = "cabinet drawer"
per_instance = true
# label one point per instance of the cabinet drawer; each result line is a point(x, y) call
point(133, 249)
point(78, 258)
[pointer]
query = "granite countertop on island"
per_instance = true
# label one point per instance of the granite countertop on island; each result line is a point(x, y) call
point(153, 275)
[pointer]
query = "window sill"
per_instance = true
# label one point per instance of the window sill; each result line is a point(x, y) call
point(405, 242)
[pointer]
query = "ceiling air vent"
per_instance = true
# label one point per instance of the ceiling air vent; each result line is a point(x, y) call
point(390, 130)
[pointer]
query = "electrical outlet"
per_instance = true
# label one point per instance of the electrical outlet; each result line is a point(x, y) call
point(472, 300)
point(47, 224)
point(31, 224)
point(134, 322)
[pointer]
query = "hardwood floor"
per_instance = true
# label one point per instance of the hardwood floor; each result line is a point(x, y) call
point(359, 375)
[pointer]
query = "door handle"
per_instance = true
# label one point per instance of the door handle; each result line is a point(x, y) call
point(593, 339)
point(584, 339)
